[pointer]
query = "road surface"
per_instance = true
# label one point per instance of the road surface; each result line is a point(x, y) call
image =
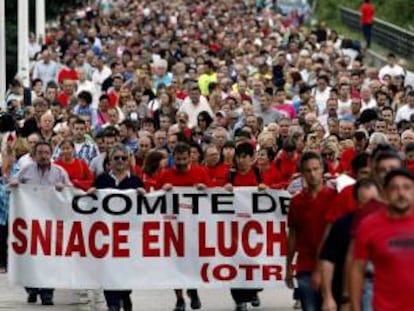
point(14, 298)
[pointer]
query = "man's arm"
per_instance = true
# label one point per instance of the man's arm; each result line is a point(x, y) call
point(357, 277)
point(327, 271)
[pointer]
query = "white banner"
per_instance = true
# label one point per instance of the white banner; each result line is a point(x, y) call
point(121, 240)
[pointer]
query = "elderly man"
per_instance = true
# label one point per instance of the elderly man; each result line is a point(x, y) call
point(42, 172)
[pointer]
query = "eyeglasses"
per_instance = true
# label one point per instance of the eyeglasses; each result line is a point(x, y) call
point(120, 158)
point(328, 155)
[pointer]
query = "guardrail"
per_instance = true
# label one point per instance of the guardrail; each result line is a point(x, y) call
point(391, 37)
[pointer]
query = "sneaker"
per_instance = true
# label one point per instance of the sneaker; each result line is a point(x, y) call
point(32, 298)
point(47, 302)
point(242, 306)
point(180, 305)
point(256, 301)
point(195, 300)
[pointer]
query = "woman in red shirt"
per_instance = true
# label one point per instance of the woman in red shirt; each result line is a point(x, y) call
point(270, 175)
point(153, 164)
point(77, 169)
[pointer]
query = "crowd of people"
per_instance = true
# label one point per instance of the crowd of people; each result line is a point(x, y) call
point(152, 94)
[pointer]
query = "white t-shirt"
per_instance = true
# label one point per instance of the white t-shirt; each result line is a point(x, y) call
point(393, 71)
point(404, 113)
point(193, 110)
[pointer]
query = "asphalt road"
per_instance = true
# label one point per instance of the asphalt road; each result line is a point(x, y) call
point(14, 298)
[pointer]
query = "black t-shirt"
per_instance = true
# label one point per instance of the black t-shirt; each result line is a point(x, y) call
point(105, 180)
point(335, 250)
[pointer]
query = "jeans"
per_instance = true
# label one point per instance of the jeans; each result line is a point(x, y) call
point(310, 299)
point(114, 297)
point(45, 293)
point(367, 295)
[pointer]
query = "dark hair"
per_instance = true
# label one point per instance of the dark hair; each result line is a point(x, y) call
point(181, 148)
point(152, 162)
point(79, 121)
point(67, 141)
point(363, 183)
point(386, 155)
point(307, 156)
point(359, 161)
point(270, 153)
point(206, 116)
point(104, 96)
point(111, 131)
point(129, 124)
point(244, 149)
point(42, 143)
point(148, 120)
point(199, 149)
point(86, 96)
point(403, 172)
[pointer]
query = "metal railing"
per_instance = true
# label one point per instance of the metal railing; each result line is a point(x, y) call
point(391, 37)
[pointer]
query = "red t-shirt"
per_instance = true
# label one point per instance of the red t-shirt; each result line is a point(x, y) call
point(389, 244)
point(307, 216)
point(346, 159)
point(286, 166)
point(367, 13)
point(410, 165)
point(271, 177)
point(193, 176)
point(150, 182)
point(219, 174)
point(79, 173)
point(245, 180)
point(63, 99)
point(67, 74)
point(343, 204)
point(368, 209)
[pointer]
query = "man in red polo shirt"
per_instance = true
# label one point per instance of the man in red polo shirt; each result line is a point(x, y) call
point(183, 174)
point(306, 221)
point(386, 238)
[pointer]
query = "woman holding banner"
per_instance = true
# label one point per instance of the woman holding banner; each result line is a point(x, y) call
point(245, 174)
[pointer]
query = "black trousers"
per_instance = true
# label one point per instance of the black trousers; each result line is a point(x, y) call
point(3, 245)
point(366, 29)
point(243, 295)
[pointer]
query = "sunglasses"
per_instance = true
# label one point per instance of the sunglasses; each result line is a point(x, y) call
point(120, 158)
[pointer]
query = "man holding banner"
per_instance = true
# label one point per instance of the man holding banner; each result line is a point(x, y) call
point(42, 172)
point(119, 177)
point(183, 175)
